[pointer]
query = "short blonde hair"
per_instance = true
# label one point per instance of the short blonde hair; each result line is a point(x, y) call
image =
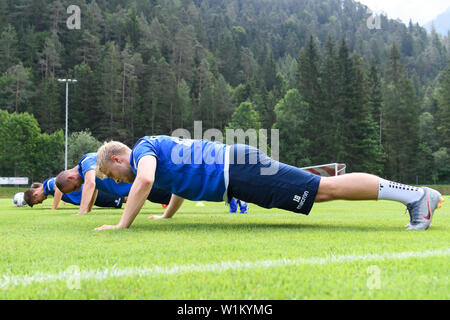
point(105, 153)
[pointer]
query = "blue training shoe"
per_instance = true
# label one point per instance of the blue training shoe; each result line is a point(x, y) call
point(244, 209)
point(233, 206)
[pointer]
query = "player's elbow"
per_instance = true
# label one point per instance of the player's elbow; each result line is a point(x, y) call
point(145, 182)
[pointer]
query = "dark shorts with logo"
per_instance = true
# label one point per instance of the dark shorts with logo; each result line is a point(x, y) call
point(108, 200)
point(256, 178)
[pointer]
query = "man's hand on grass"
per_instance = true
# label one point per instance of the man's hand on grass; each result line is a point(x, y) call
point(109, 227)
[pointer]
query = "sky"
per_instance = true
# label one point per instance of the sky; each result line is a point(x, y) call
point(421, 11)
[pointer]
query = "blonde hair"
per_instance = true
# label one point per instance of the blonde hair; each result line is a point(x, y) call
point(105, 153)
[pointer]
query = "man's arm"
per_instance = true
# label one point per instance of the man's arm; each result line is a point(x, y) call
point(138, 194)
point(174, 204)
point(88, 192)
point(94, 197)
point(56, 198)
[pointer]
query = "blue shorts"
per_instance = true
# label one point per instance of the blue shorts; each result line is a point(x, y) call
point(158, 195)
point(281, 186)
point(108, 200)
point(109, 186)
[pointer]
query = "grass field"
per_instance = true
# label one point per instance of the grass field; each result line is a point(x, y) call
point(343, 250)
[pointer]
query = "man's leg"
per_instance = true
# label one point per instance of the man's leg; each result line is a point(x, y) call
point(420, 202)
point(363, 186)
point(353, 186)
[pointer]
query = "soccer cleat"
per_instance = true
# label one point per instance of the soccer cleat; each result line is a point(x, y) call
point(421, 212)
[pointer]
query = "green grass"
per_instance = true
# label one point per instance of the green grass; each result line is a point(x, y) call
point(38, 240)
point(9, 192)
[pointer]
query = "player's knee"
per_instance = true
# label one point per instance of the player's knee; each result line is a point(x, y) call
point(328, 190)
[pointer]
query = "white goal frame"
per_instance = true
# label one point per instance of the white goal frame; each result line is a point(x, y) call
point(339, 169)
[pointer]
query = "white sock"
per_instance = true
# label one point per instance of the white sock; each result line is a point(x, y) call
point(398, 192)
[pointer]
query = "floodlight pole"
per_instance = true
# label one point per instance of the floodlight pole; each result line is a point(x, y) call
point(67, 115)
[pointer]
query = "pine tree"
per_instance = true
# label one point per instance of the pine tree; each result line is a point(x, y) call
point(400, 125)
point(442, 156)
point(8, 48)
point(111, 82)
point(184, 53)
point(48, 105)
point(161, 113)
point(444, 108)
point(375, 97)
point(330, 113)
point(427, 144)
point(292, 116)
point(184, 95)
point(309, 88)
point(361, 150)
point(132, 66)
point(223, 102)
point(3, 13)
point(17, 89)
point(51, 55)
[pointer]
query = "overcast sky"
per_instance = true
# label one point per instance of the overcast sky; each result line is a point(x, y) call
point(421, 11)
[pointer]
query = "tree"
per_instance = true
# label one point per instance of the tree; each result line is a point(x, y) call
point(89, 51)
point(245, 118)
point(51, 59)
point(310, 90)
point(292, 116)
point(308, 73)
point(20, 136)
point(48, 106)
point(131, 68)
point(375, 96)
point(16, 88)
point(4, 115)
point(359, 136)
point(87, 95)
point(223, 103)
point(111, 87)
point(444, 108)
point(330, 115)
point(161, 113)
point(401, 124)
point(442, 165)
point(8, 48)
point(48, 158)
point(80, 143)
point(3, 13)
point(184, 95)
point(184, 53)
point(428, 143)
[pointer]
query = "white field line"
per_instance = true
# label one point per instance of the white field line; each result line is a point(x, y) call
point(8, 281)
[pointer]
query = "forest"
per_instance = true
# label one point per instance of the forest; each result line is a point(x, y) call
point(337, 88)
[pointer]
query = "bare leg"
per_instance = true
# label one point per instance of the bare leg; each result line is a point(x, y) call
point(420, 202)
point(353, 186)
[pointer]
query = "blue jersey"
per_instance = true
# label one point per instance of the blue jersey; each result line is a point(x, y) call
point(103, 199)
point(191, 169)
point(89, 162)
point(73, 197)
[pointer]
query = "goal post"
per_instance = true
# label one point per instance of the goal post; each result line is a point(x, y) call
point(327, 170)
